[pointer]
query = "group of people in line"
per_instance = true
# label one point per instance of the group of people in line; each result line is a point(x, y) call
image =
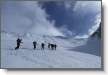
point(49, 45)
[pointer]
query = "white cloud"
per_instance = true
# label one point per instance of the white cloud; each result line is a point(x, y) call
point(42, 25)
point(66, 31)
point(96, 24)
point(93, 28)
point(82, 36)
point(68, 4)
point(30, 18)
point(87, 6)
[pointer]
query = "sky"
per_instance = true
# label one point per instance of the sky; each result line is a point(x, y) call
point(57, 18)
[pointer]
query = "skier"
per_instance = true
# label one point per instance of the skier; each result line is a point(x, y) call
point(34, 44)
point(19, 41)
point(42, 46)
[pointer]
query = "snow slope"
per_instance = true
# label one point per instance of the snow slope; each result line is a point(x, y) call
point(92, 46)
point(26, 57)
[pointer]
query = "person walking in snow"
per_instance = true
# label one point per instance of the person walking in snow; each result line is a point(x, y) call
point(55, 46)
point(19, 41)
point(42, 46)
point(52, 46)
point(34, 44)
point(49, 45)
